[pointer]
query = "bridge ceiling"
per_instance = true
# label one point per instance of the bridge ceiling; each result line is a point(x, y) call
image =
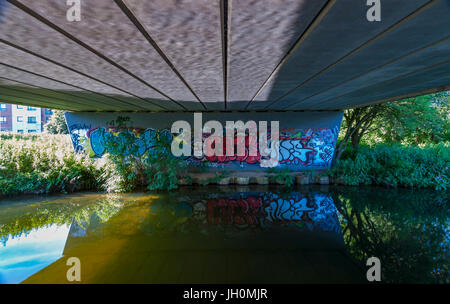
point(216, 55)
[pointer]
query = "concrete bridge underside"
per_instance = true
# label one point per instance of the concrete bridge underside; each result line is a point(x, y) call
point(235, 55)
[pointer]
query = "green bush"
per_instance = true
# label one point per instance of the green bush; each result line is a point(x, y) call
point(45, 164)
point(126, 170)
point(282, 176)
point(396, 165)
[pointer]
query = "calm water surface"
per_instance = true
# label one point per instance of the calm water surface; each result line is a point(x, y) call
point(228, 235)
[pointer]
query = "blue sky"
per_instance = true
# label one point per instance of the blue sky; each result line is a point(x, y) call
point(25, 255)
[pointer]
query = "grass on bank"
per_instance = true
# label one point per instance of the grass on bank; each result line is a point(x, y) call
point(47, 164)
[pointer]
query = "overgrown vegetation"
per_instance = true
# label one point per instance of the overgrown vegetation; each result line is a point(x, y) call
point(413, 121)
point(395, 165)
point(282, 176)
point(36, 164)
point(403, 143)
point(126, 170)
point(44, 164)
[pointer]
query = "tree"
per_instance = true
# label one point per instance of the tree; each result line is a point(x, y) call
point(357, 122)
point(57, 123)
point(418, 120)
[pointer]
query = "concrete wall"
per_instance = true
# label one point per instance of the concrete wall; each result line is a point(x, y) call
point(307, 139)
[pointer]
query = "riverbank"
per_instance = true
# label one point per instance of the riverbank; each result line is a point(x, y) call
point(37, 164)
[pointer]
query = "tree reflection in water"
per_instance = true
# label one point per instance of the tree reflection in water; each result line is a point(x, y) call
point(19, 219)
point(407, 230)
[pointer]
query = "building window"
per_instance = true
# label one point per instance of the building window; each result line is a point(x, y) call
point(19, 118)
point(3, 119)
point(19, 131)
point(19, 107)
point(31, 108)
point(2, 106)
point(31, 119)
point(32, 131)
point(48, 111)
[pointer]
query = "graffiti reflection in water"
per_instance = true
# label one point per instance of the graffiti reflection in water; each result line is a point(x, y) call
point(249, 211)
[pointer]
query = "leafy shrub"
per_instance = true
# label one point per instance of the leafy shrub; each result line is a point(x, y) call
point(282, 176)
point(157, 168)
point(45, 164)
point(396, 165)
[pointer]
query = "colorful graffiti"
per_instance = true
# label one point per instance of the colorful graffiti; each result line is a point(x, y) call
point(309, 148)
point(135, 140)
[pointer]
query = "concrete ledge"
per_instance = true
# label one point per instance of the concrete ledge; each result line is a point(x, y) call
point(225, 178)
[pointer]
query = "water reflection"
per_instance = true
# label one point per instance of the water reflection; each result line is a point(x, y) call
point(258, 235)
point(408, 230)
point(25, 255)
point(247, 210)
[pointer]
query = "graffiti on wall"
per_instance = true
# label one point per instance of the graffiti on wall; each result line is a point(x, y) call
point(300, 148)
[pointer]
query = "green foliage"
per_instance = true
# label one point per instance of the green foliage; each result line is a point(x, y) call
point(392, 166)
point(415, 153)
point(281, 176)
point(162, 168)
point(419, 120)
point(57, 123)
point(217, 177)
point(413, 121)
point(157, 169)
point(18, 136)
point(45, 164)
point(124, 168)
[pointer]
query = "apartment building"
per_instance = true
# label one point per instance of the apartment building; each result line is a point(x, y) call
point(23, 119)
point(5, 117)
